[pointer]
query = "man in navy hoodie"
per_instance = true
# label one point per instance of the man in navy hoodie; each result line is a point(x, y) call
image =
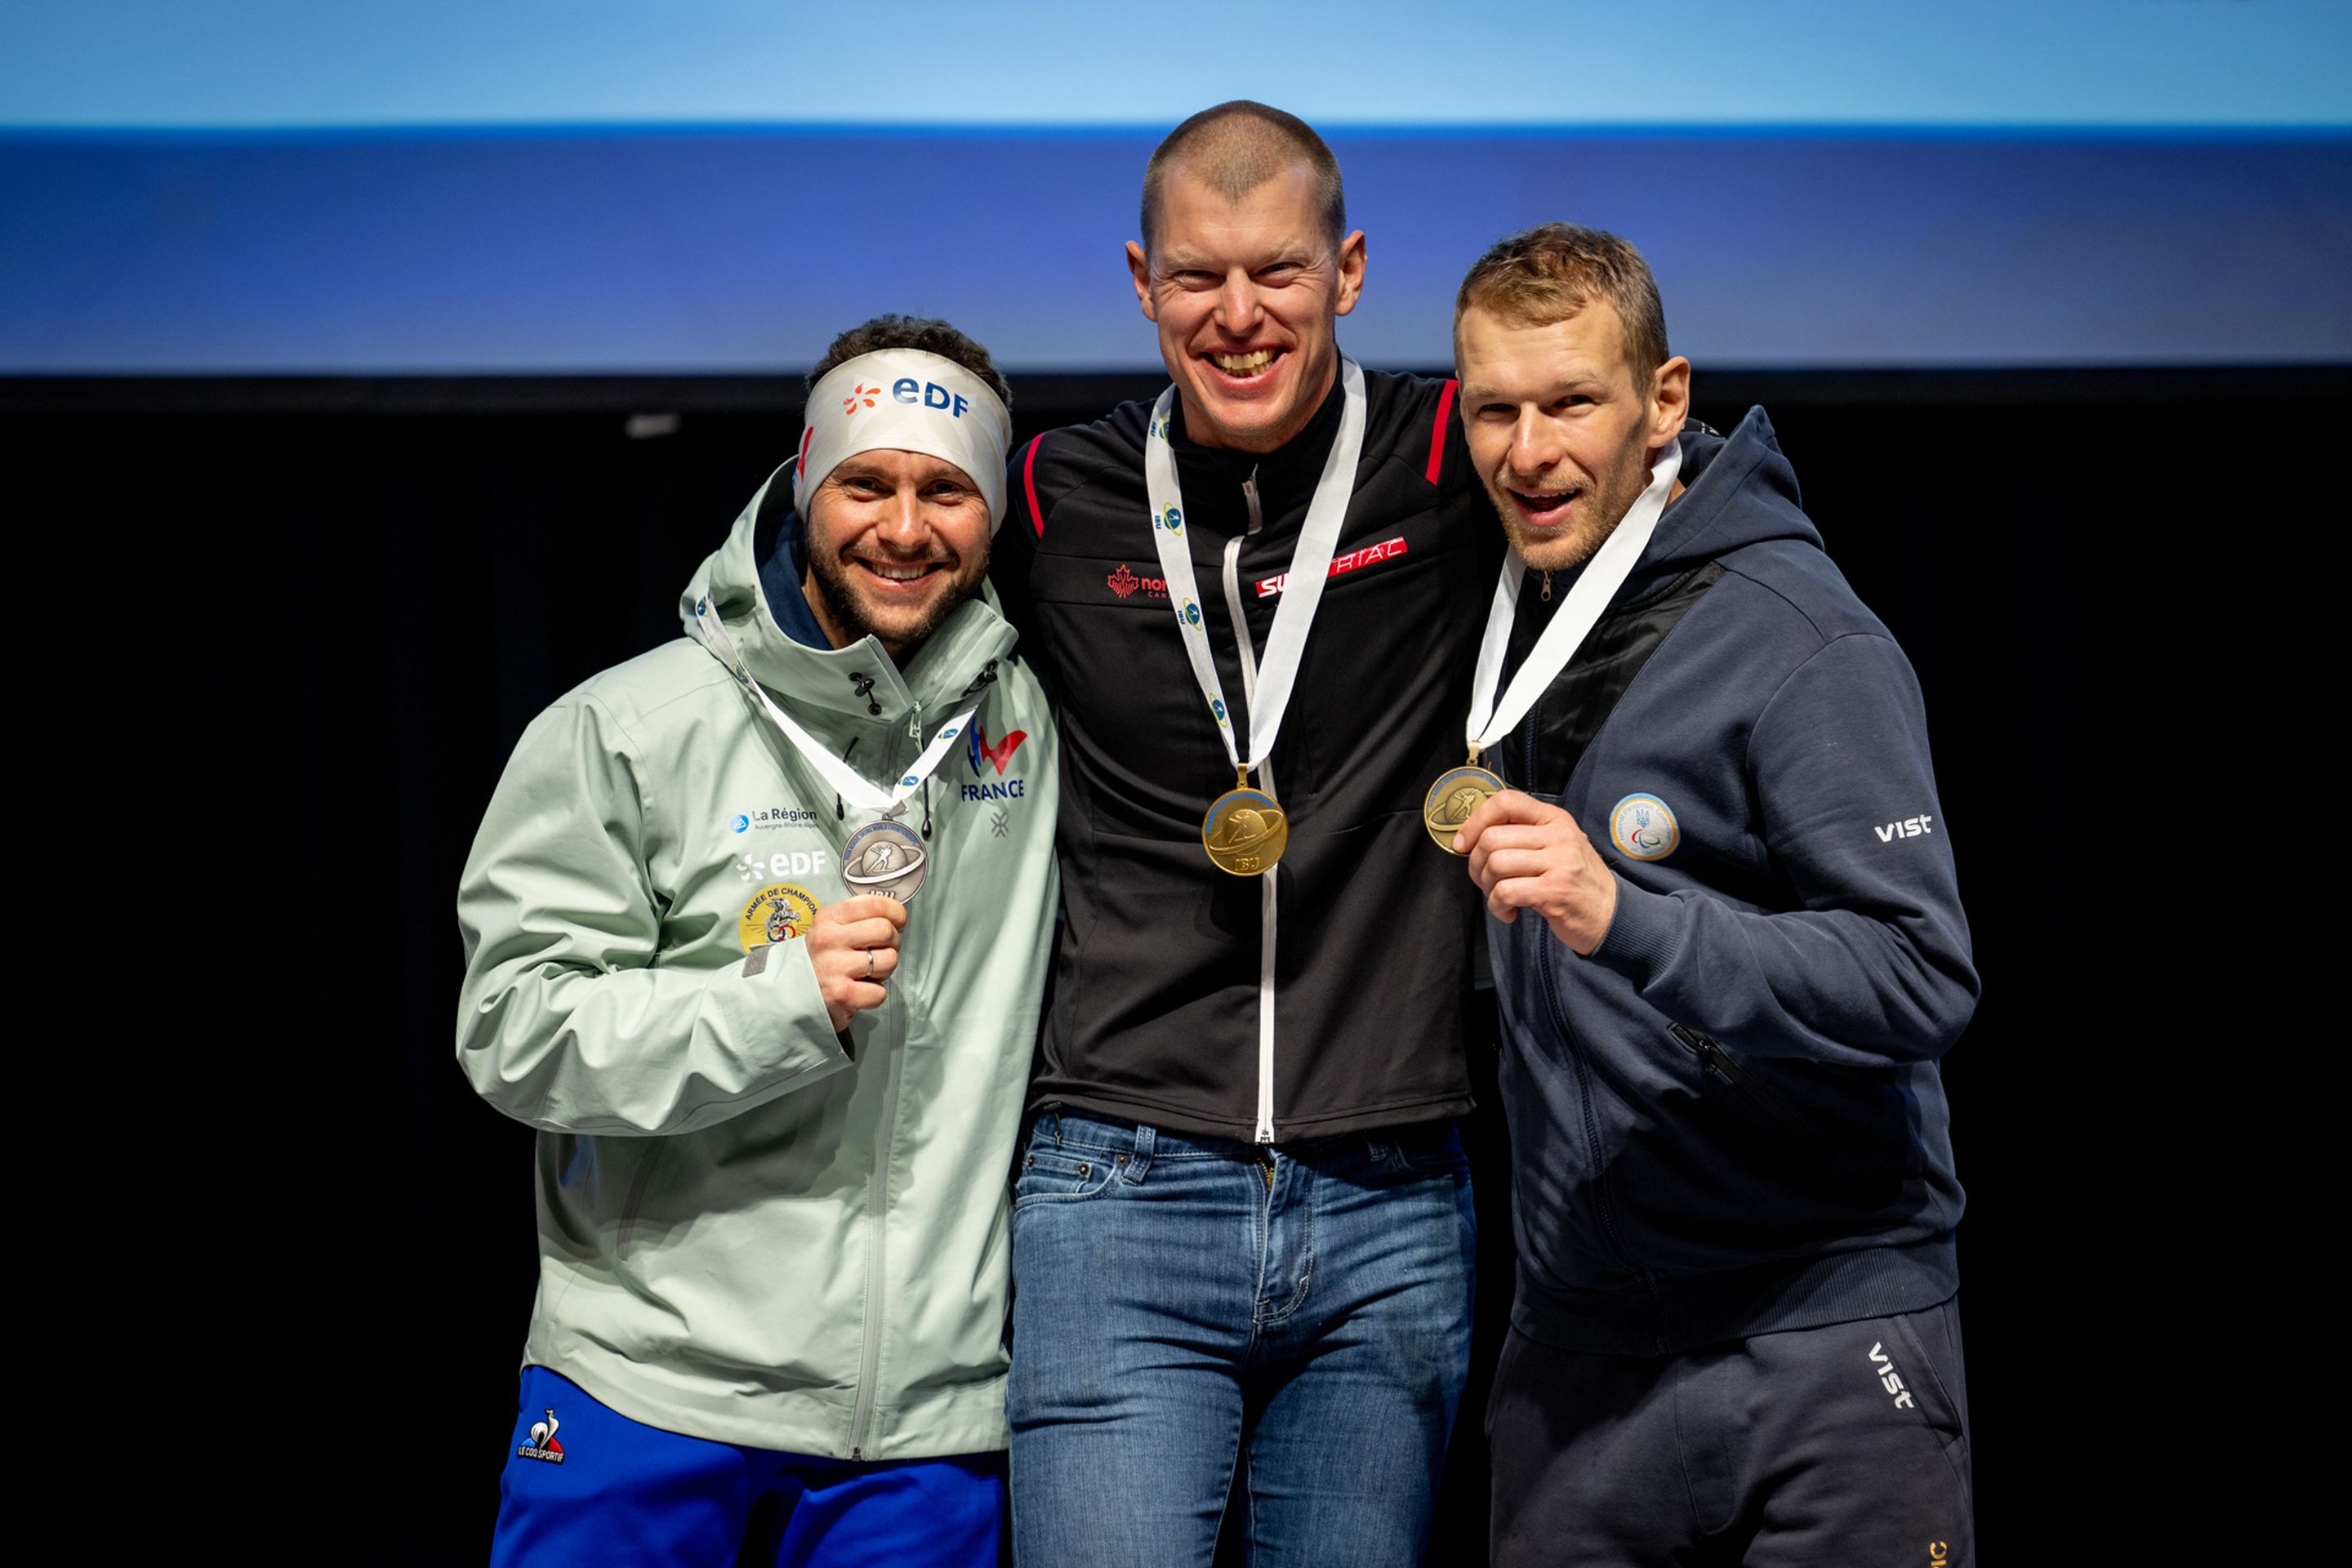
point(1735, 1335)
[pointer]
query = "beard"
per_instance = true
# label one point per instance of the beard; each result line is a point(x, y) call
point(1607, 496)
point(899, 628)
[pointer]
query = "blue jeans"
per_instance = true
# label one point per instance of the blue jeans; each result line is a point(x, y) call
point(1178, 1304)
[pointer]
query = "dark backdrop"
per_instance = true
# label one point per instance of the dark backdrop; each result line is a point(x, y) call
point(316, 615)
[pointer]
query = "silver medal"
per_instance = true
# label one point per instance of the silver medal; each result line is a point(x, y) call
point(886, 858)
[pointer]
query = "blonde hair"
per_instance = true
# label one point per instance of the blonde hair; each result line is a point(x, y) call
point(1549, 273)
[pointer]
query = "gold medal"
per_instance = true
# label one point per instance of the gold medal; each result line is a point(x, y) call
point(1450, 801)
point(1245, 829)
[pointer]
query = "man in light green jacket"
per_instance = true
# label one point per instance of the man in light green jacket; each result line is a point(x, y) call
point(755, 927)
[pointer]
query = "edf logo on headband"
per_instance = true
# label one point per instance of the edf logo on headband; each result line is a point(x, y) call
point(895, 399)
point(933, 395)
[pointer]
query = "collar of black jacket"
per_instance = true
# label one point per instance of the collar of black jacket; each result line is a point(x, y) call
point(1286, 477)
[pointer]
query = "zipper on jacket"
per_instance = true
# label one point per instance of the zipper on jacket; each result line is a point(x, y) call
point(877, 1202)
point(1263, 1131)
point(1714, 1059)
point(878, 1216)
point(1602, 1204)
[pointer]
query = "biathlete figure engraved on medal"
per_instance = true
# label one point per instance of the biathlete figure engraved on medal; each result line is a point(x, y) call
point(1246, 828)
point(1456, 809)
point(886, 858)
point(1245, 833)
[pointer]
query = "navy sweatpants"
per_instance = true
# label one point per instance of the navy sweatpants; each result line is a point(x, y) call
point(1813, 1449)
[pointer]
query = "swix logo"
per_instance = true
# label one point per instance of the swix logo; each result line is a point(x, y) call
point(542, 1445)
point(1000, 754)
point(1124, 583)
point(1370, 556)
point(1909, 827)
point(1885, 1367)
point(860, 396)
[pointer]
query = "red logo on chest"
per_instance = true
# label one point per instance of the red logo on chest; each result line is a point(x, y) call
point(1000, 754)
point(1124, 581)
point(1353, 561)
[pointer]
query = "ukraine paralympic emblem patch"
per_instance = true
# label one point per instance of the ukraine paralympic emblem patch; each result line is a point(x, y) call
point(777, 912)
point(1643, 827)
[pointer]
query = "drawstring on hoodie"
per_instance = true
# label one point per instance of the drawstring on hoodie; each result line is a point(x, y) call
point(839, 813)
point(863, 684)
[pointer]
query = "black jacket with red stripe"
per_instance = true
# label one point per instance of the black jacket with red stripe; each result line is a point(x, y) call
point(1153, 1015)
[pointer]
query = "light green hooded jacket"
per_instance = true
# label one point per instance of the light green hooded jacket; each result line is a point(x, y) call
point(746, 1234)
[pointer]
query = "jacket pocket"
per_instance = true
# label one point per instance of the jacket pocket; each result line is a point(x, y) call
point(1726, 1068)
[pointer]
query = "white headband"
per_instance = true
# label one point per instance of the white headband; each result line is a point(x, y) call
point(906, 400)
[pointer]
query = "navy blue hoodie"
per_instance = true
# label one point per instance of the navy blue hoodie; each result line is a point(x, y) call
point(1729, 1120)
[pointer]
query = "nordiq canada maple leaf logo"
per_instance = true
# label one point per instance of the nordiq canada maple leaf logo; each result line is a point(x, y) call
point(1124, 581)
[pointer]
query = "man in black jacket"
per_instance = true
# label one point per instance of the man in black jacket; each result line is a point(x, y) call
point(1728, 948)
point(1242, 1231)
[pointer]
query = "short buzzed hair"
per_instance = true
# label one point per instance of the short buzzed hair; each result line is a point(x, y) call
point(1549, 273)
point(924, 333)
point(1236, 147)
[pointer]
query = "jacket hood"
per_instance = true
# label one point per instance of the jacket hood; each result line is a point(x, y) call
point(847, 680)
point(1738, 491)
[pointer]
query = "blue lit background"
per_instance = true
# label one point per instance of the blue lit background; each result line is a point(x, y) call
point(357, 188)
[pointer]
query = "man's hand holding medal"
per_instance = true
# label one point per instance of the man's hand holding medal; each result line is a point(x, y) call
point(1527, 854)
point(855, 946)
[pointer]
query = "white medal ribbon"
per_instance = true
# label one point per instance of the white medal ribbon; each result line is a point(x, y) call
point(1587, 597)
point(1310, 565)
point(1267, 682)
point(845, 781)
